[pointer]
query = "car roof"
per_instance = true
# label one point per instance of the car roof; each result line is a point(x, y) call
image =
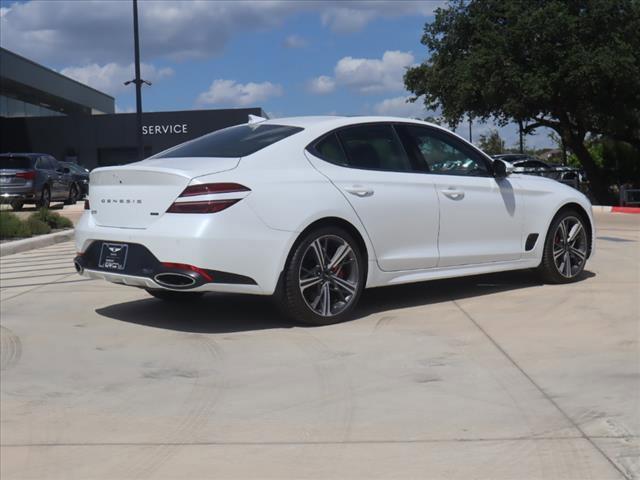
point(515, 156)
point(28, 154)
point(329, 122)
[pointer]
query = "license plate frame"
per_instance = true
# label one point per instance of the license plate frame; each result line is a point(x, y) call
point(113, 256)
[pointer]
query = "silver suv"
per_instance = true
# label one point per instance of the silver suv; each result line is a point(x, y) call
point(35, 178)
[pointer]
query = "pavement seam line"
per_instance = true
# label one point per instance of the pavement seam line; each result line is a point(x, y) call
point(303, 442)
point(541, 390)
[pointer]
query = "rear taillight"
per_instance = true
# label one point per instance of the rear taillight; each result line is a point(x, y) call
point(207, 205)
point(28, 175)
point(209, 188)
point(86, 205)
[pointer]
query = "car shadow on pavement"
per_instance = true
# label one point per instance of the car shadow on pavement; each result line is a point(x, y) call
point(227, 313)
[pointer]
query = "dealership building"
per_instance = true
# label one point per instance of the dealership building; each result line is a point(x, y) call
point(43, 111)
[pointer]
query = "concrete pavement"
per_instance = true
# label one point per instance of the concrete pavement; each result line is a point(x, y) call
point(488, 377)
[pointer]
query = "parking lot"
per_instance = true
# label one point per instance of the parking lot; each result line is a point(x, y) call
point(492, 377)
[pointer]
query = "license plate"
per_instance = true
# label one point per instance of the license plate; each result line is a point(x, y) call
point(5, 179)
point(113, 256)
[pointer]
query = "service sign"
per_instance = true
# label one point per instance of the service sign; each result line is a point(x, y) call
point(168, 129)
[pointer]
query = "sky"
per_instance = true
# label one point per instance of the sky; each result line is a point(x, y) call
point(288, 57)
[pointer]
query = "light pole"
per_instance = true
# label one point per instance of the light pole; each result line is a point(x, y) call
point(137, 81)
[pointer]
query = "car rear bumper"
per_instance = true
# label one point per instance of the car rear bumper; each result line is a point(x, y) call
point(143, 269)
point(233, 243)
point(8, 197)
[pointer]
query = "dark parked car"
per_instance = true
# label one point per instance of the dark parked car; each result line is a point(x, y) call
point(80, 176)
point(532, 166)
point(35, 178)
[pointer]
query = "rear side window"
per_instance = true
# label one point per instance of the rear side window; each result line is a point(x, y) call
point(15, 162)
point(238, 141)
point(374, 147)
point(330, 150)
point(45, 163)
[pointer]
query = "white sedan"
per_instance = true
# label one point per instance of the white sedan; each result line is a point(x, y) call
point(313, 210)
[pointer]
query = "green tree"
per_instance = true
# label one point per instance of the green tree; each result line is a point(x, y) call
point(491, 143)
point(569, 65)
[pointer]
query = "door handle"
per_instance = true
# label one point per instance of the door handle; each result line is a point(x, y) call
point(453, 194)
point(359, 191)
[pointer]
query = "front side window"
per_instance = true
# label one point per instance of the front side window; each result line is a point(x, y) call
point(444, 155)
point(374, 147)
point(238, 141)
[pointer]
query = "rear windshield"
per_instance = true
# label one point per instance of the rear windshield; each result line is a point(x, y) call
point(15, 162)
point(238, 141)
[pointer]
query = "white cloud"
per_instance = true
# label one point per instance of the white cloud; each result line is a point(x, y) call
point(127, 109)
point(367, 75)
point(321, 85)
point(399, 107)
point(294, 41)
point(372, 75)
point(347, 20)
point(69, 32)
point(110, 78)
point(351, 16)
point(231, 93)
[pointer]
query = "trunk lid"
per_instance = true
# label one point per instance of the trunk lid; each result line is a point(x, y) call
point(10, 165)
point(8, 178)
point(137, 195)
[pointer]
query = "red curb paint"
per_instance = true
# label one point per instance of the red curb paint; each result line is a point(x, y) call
point(625, 209)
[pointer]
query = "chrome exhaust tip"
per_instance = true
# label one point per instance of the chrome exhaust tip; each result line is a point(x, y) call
point(175, 280)
point(79, 268)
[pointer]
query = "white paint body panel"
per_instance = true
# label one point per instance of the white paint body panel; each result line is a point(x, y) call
point(412, 231)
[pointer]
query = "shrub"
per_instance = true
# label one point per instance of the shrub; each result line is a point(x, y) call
point(36, 226)
point(53, 219)
point(12, 227)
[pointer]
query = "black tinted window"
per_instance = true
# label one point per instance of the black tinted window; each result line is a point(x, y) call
point(238, 141)
point(374, 147)
point(44, 163)
point(446, 155)
point(329, 149)
point(75, 168)
point(534, 164)
point(15, 162)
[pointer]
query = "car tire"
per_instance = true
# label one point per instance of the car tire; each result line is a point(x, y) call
point(17, 205)
point(73, 195)
point(174, 296)
point(45, 198)
point(318, 289)
point(566, 248)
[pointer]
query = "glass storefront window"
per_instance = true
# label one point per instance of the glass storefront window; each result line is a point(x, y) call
point(13, 107)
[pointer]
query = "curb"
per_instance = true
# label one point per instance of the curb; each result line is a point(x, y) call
point(17, 246)
point(607, 209)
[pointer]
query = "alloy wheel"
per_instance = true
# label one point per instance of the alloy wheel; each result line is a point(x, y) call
point(329, 275)
point(570, 247)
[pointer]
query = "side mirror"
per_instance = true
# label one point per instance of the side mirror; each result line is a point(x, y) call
point(501, 169)
point(66, 170)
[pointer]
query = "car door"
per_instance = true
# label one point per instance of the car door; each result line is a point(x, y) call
point(58, 180)
point(47, 175)
point(481, 217)
point(397, 206)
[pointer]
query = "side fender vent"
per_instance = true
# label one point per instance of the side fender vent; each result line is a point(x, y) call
point(531, 241)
